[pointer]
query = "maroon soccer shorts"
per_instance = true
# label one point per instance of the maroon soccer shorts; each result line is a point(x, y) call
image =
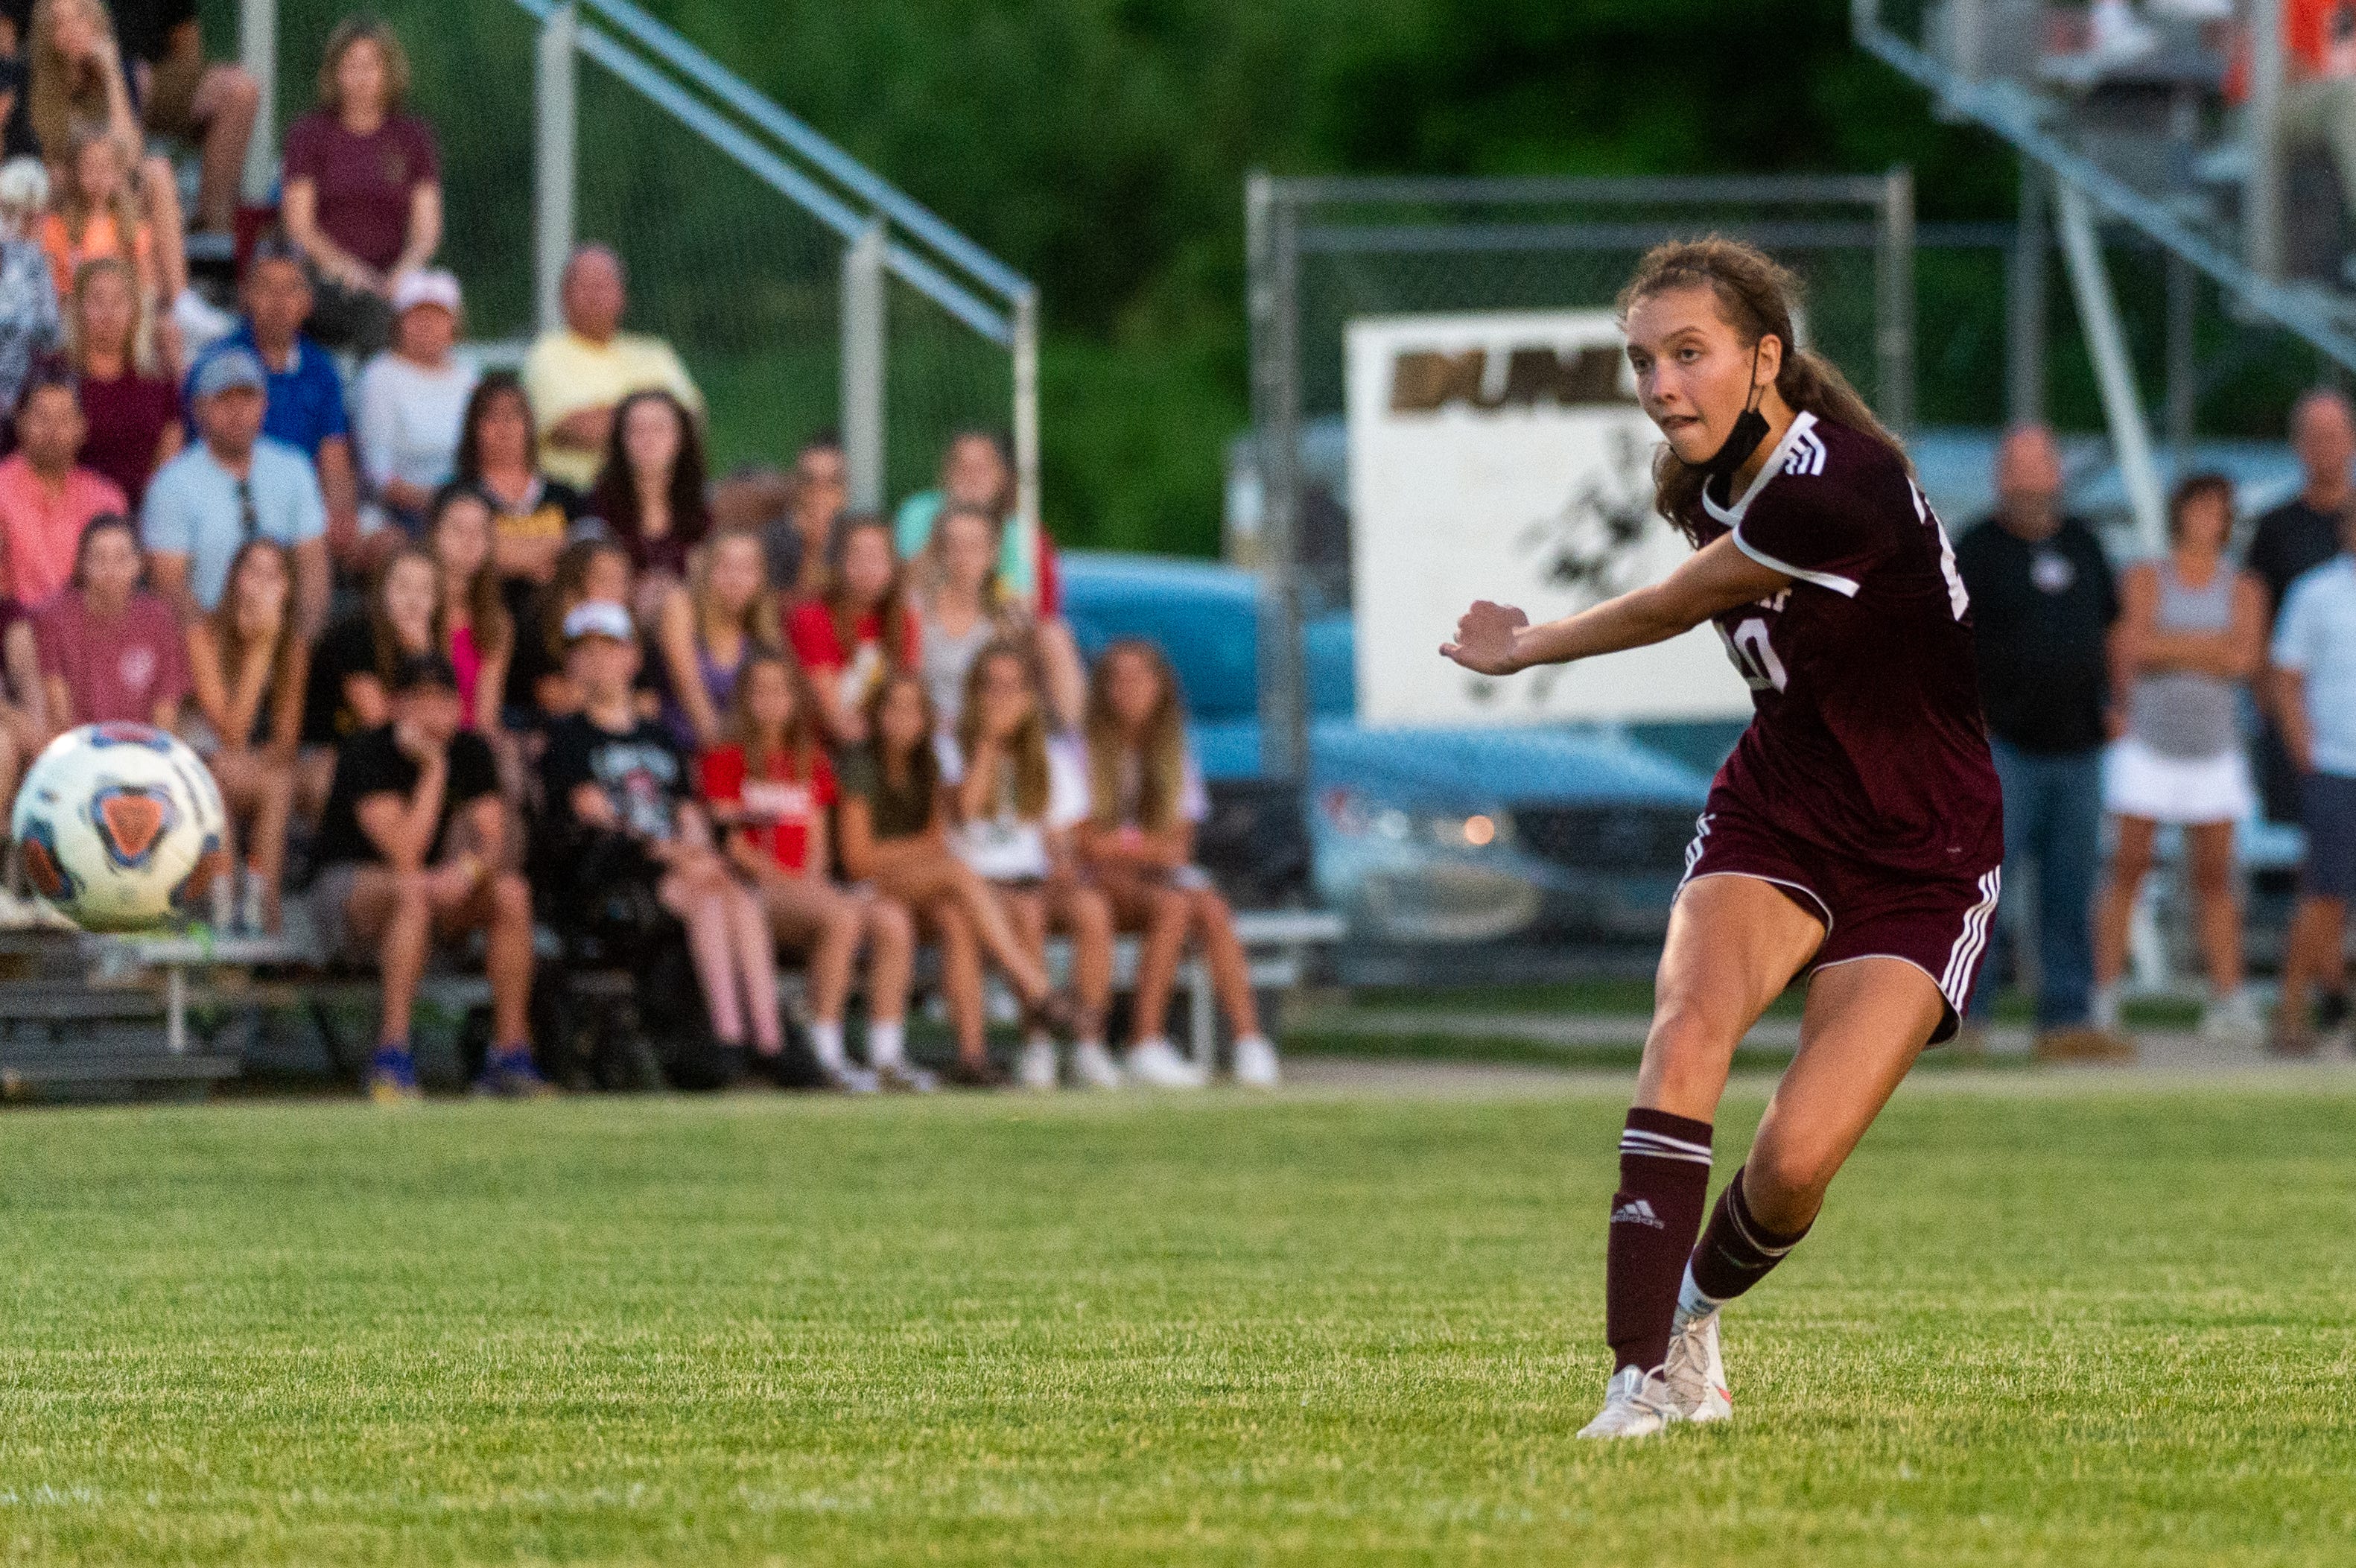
point(1938, 924)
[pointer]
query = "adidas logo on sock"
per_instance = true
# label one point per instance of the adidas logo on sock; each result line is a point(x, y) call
point(1636, 1211)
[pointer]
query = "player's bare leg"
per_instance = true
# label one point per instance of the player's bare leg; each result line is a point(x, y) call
point(1734, 942)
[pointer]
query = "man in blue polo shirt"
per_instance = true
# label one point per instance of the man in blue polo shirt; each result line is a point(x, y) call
point(2314, 659)
point(306, 392)
point(230, 484)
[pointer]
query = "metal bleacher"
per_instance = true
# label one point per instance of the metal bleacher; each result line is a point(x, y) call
point(2139, 134)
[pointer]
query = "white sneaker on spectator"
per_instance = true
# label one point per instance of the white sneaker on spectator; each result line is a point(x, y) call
point(2233, 1020)
point(2106, 1007)
point(1093, 1067)
point(1256, 1062)
point(1035, 1067)
point(850, 1078)
point(1156, 1064)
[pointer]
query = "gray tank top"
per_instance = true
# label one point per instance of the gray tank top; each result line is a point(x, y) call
point(2180, 713)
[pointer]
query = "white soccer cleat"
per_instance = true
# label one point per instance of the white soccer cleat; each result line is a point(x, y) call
point(2233, 1020)
point(1636, 1404)
point(1695, 1372)
point(1093, 1067)
point(1157, 1065)
point(1036, 1068)
point(1256, 1062)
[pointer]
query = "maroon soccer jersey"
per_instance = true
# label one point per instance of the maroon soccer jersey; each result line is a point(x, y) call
point(1866, 738)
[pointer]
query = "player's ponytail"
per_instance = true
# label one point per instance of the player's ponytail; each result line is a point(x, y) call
point(1757, 298)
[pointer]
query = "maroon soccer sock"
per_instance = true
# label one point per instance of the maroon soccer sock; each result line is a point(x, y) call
point(1664, 1178)
point(1737, 1251)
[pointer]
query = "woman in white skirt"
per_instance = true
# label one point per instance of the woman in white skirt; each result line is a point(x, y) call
point(2191, 633)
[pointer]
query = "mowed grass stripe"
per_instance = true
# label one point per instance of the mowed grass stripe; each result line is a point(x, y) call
point(2058, 1328)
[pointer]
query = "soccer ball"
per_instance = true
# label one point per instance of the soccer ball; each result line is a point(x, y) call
point(120, 828)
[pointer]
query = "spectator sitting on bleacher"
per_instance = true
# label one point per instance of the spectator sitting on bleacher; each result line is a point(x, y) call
point(617, 794)
point(709, 630)
point(590, 567)
point(304, 403)
point(474, 628)
point(895, 821)
point(769, 788)
point(110, 650)
point(579, 373)
point(412, 403)
point(860, 630)
point(95, 216)
point(212, 105)
point(650, 492)
point(246, 667)
point(362, 186)
point(796, 542)
point(347, 691)
point(498, 454)
point(231, 485)
point(46, 499)
point(133, 416)
point(411, 847)
point(29, 327)
point(961, 608)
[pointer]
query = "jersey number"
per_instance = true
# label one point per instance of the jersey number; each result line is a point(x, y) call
point(1755, 656)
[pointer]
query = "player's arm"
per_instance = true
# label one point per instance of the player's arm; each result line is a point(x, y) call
point(1496, 639)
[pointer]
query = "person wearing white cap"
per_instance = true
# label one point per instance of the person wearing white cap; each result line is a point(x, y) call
point(412, 403)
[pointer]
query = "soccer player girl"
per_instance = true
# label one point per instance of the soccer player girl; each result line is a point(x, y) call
point(1853, 837)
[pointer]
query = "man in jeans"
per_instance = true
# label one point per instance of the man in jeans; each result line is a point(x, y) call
point(411, 844)
point(2314, 659)
point(2042, 602)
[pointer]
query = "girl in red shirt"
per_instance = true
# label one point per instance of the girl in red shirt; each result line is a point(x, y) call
point(840, 637)
point(768, 785)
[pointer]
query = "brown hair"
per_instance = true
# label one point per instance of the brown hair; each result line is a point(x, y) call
point(1756, 296)
point(139, 354)
point(565, 586)
point(2191, 489)
point(1028, 750)
point(61, 93)
point(288, 660)
point(932, 567)
point(759, 621)
point(1162, 750)
point(486, 607)
point(387, 649)
point(801, 730)
point(923, 763)
point(364, 28)
point(891, 611)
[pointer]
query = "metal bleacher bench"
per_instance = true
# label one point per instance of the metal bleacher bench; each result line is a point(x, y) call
point(1277, 942)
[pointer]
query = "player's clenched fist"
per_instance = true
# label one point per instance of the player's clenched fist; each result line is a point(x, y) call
point(1486, 639)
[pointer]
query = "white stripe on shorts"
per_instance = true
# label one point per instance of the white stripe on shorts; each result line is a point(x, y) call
point(1966, 951)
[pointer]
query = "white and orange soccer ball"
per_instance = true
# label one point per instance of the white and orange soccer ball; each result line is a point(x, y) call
point(120, 828)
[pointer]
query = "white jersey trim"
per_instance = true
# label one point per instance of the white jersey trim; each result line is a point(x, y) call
point(1802, 451)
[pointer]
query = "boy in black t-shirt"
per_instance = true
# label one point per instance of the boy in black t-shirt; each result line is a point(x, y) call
point(617, 791)
point(411, 848)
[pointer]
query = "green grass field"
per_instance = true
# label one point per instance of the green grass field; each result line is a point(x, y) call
point(2038, 1325)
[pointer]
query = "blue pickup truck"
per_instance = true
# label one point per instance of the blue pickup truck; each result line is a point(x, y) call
point(1417, 836)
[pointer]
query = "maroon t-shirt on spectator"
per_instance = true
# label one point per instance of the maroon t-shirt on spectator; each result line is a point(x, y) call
point(127, 416)
point(115, 672)
point(363, 183)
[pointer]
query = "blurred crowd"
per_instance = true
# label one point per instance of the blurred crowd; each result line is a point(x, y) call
point(471, 654)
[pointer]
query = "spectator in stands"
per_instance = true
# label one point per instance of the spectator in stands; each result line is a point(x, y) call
point(2319, 98)
point(769, 788)
point(841, 638)
point(2293, 540)
point(46, 499)
point(1138, 843)
point(474, 627)
point(96, 217)
point(305, 391)
point(412, 403)
point(362, 186)
point(961, 608)
point(29, 328)
point(246, 670)
point(2044, 602)
point(2314, 659)
point(618, 790)
point(592, 568)
point(579, 375)
point(650, 490)
point(814, 505)
point(231, 485)
point(16, 79)
point(709, 630)
point(2190, 635)
point(133, 416)
point(110, 650)
point(350, 688)
point(894, 835)
point(1015, 795)
point(498, 454)
point(212, 105)
point(411, 847)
